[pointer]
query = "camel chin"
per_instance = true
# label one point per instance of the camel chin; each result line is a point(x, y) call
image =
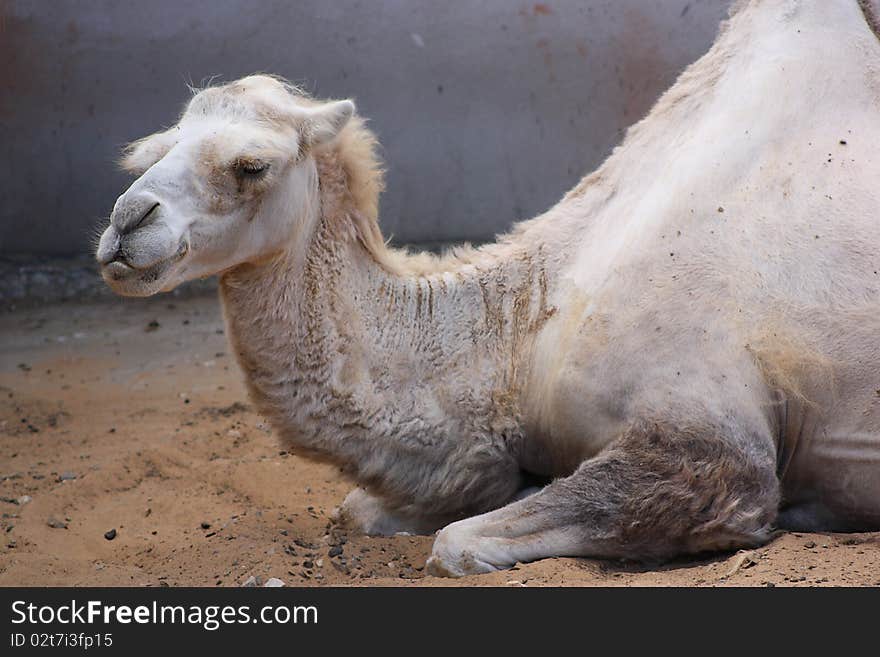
point(126, 281)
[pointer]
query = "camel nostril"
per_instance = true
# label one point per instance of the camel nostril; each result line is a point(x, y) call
point(140, 222)
point(133, 211)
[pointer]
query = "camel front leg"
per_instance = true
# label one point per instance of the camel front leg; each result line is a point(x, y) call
point(656, 492)
point(366, 514)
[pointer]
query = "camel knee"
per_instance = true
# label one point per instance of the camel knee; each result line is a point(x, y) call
point(366, 514)
point(679, 490)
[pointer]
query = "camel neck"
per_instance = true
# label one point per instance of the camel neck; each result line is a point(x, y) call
point(364, 367)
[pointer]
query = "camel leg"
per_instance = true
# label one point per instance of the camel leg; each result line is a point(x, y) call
point(366, 514)
point(523, 493)
point(656, 492)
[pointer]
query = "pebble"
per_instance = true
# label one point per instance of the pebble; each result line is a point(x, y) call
point(66, 476)
point(54, 523)
point(744, 559)
point(206, 525)
point(335, 551)
point(24, 499)
point(273, 582)
point(251, 581)
point(340, 566)
point(110, 535)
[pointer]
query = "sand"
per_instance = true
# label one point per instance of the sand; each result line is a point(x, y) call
point(129, 420)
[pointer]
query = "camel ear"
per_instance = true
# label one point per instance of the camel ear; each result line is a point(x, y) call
point(326, 121)
point(140, 155)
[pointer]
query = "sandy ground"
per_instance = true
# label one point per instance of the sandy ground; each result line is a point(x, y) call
point(131, 416)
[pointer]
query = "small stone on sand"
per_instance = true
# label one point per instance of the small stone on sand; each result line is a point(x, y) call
point(251, 581)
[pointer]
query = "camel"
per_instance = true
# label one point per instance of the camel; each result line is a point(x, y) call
point(680, 356)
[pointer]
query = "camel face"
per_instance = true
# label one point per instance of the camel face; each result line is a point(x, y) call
point(229, 184)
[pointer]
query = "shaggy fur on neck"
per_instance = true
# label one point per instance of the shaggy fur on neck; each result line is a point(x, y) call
point(354, 153)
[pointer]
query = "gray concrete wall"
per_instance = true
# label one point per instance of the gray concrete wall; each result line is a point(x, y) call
point(488, 111)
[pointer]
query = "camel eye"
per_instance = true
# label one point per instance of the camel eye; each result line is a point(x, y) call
point(251, 168)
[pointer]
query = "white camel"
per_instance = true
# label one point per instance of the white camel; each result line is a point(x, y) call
point(685, 346)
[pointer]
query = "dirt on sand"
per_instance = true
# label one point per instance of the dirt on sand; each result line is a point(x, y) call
point(129, 455)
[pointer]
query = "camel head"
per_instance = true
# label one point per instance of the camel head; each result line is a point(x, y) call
point(231, 183)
